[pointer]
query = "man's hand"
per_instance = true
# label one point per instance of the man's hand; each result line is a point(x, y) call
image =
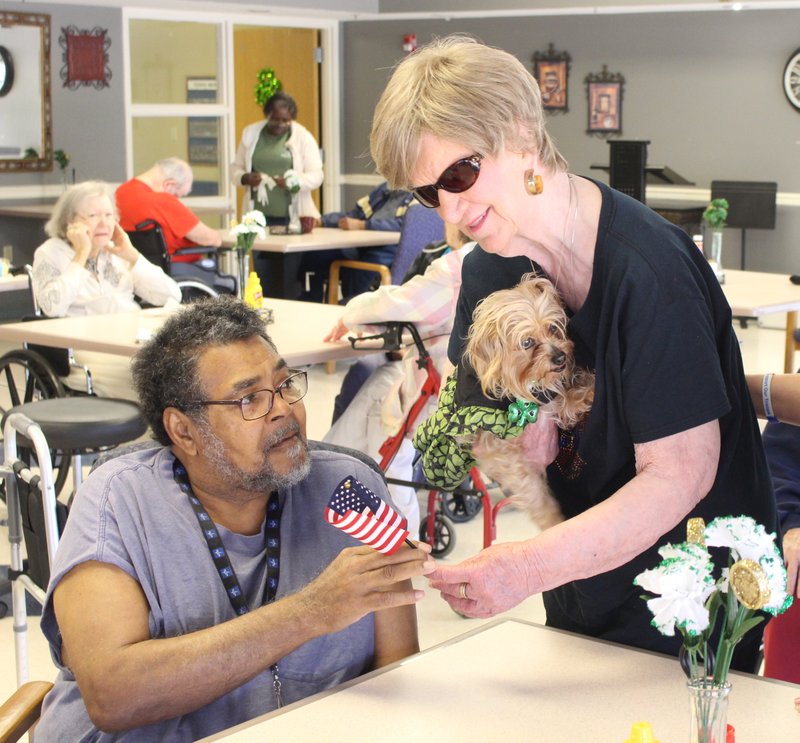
point(351, 223)
point(128, 680)
point(251, 179)
point(361, 580)
point(791, 554)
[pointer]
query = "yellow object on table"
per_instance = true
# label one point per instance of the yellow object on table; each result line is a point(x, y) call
point(253, 293)
point(642, 732)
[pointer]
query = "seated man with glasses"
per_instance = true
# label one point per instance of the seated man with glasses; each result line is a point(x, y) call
point(198, 584)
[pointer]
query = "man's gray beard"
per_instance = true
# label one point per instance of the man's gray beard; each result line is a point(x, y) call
point(264, 480)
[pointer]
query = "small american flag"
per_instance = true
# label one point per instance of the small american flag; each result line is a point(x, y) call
point(357, 511)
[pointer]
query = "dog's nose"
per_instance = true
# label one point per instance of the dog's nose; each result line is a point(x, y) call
point(559, 358)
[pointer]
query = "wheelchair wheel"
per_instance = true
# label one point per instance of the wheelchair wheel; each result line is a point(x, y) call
point(192, 291)
point(25, 376)
point(444, 537)
point(461, 507)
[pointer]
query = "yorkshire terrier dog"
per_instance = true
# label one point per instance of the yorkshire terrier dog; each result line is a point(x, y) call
point(519, 350)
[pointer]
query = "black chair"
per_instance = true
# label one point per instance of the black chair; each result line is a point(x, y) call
point(195, 280)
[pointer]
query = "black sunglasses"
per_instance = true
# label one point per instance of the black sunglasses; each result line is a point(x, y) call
point(456, 178)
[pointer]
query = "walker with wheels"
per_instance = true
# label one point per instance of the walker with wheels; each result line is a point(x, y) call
point(444, 509)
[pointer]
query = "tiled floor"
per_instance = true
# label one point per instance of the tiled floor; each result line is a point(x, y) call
point(762, 349)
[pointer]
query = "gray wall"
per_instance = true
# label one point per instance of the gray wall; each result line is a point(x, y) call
point(88, 124)
point(704, 88)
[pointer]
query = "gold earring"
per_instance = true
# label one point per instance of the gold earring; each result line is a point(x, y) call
point(533, 183)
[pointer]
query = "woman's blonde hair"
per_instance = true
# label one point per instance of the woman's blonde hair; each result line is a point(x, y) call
point(68, 204)
point(460, 90)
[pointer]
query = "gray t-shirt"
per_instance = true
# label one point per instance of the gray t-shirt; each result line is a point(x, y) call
point(131, 514)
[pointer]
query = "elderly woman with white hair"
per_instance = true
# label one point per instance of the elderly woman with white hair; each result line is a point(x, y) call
point(89, 267)
point(671, 433)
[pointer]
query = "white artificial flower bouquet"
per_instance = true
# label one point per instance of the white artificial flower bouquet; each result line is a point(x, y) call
point(251, 227)
point(689, 597)
point(292, 181)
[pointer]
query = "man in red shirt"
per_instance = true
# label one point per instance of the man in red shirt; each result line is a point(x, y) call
point(156, 194)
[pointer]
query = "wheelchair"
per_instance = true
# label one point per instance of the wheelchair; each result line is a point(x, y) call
point(37, 372)
point(196, 281)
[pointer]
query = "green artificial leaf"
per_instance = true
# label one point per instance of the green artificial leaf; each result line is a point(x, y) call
point(745, 627)
point(716, 214)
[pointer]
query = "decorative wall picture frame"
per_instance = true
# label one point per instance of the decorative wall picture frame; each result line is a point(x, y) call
point(202, 140)
point(551, 70)
point(604, 93)
point(202, 132)
point(201, 90)
point(85, 57)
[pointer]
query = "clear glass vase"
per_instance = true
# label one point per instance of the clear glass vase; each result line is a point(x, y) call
point(708, 705)
point(294, 227)
point(715, 255)
point(244, 270)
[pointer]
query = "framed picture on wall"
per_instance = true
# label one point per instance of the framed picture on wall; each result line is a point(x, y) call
point(551, 70)
point(85, 57)
point(202, 133)
point(201, 90)
point(203, 140)
point(604, 93)
point(203, 151)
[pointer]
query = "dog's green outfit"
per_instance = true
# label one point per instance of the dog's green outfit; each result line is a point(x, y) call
point(445, 439)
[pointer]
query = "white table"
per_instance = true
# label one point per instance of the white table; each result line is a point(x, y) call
point(9, 283)
point(297, 331)
point(755, 294)
point(280, 253)
point(320, 238)
point(518, 681)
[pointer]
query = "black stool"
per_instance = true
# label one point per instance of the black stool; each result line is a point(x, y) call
point(77, 425)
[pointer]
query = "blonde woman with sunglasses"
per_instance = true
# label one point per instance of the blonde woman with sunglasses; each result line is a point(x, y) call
point(671, 435)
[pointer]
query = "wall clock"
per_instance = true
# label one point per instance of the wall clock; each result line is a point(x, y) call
point(791, 79)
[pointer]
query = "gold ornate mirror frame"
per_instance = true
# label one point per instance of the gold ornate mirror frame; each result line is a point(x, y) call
point(41, 158)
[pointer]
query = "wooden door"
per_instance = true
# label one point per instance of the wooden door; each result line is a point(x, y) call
point(291, 53)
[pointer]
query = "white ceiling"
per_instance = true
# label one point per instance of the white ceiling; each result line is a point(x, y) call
point(402, 9)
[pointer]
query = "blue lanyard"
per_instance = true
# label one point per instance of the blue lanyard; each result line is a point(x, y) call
point(222, 562)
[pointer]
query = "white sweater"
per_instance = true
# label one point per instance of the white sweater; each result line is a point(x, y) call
point(306, 162)
point(63, 288)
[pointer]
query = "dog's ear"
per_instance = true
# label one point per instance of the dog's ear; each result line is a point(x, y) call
point(484, 350)
point(484, 344)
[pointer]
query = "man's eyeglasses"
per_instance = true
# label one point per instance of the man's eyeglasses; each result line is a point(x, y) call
point(457, 178)
point(257, 404)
